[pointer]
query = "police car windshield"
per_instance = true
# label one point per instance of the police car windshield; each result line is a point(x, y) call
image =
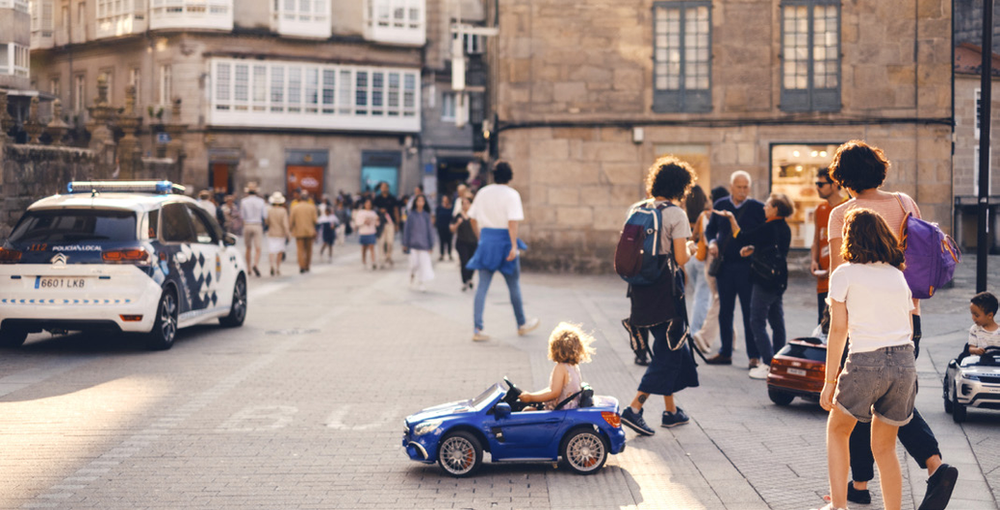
point(74, 225)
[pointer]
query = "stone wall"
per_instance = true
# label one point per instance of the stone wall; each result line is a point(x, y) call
point(31, 172)
point(572, 85)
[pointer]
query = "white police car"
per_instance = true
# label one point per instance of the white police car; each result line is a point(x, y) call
point(130, 256)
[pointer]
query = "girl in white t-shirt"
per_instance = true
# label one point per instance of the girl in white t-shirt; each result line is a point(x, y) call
point(870, 300)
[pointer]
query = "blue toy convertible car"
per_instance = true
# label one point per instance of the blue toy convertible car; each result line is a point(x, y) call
point(456, 434)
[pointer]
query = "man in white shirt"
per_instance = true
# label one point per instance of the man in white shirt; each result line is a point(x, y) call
point(495, 213)
point(252, 210)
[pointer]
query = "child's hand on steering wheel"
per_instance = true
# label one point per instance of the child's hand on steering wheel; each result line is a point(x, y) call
point(524, 397)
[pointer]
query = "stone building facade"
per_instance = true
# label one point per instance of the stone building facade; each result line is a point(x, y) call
point(325, 95)
point(968, 84)
point(587, 98)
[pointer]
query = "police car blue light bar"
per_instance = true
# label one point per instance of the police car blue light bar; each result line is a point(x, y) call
point(157, 187)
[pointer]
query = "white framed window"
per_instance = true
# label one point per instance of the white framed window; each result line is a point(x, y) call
point(301, 18)
point(199, 14)
point(472, 43)
point(81, 13)
point(309, 95)
point(166, 84)
point(116, 17)
point(135, 80)
point(448, 106)
point(42, 22)
point(19, 56)
point(17, 5)
point(79, 92)
point(396, 21)
point(109, 79)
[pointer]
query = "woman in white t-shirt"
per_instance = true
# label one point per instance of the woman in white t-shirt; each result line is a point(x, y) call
point(869, 300)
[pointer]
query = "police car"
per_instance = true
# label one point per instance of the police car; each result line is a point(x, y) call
point(120, 256)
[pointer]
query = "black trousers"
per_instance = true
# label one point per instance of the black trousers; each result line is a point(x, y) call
point(465, 252)
point(444, 236)
point(916, 436)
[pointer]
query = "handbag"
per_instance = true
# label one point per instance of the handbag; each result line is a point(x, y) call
point(769, 269)
point(713, 267)
point(701, 252)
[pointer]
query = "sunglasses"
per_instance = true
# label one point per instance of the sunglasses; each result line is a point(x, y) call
point(820, 184)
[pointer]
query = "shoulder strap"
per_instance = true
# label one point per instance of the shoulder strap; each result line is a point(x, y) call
point(902, 225)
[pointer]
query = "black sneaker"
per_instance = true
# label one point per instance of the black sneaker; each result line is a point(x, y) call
point(861, 497)
point(674, 419)
point(642, 360)
point(939, 487)
point(635, 422)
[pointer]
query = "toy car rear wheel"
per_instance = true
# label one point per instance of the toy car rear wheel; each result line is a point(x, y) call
point(949, 406)
point(460, 454)
point(238, 310)
point(584, 451)
point(164, 330)
point(779, 397)
point(11, 337)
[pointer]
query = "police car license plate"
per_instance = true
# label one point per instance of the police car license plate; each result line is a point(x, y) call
point(797, 371)
point(61, 283)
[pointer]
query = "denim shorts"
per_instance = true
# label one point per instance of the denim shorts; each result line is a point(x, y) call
point(883, 382)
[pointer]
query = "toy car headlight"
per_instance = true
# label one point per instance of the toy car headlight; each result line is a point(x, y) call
point(970, 377)
point(426, 427)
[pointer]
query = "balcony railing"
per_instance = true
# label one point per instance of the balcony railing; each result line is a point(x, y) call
point(191, 14)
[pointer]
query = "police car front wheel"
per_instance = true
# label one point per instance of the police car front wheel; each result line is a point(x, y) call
point(164, 330)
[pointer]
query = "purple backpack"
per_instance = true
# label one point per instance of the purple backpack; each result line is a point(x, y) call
point(931, 255)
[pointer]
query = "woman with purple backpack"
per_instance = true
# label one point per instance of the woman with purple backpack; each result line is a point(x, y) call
point(861, 169)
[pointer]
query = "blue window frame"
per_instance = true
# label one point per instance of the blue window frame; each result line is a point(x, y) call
point(682, 56)
point(810, 51)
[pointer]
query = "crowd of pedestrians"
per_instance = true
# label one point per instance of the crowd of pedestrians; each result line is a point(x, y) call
point(719, 248)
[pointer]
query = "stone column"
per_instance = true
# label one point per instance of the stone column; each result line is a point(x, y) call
point(129, 152)
point(33, 126)
point(57, 128)
point(175, 148)
point(6, 121)
point(100, 113)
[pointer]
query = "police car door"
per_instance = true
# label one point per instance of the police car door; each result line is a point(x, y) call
point(207, 252)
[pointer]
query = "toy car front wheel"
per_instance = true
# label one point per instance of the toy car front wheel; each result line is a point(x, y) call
point(948, 404)
point(460, 454)
point(959, 413)
point(779, 397)
point(584, 451)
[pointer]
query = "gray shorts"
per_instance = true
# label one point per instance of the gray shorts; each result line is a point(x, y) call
point(883, 382)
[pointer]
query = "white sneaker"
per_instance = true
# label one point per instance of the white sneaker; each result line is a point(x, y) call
point(760, 371)
point(479, 336)
point(528, 326)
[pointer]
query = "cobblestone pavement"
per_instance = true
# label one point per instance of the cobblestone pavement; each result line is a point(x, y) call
point(303, 407)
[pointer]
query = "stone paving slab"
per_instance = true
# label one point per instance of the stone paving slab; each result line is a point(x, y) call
point(303, 407)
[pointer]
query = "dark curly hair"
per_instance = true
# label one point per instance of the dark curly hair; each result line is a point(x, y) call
point(670, 178)
point(783, 204)
point(858, 166)
point(502, 173)
point(986, 302)
point(868, 239)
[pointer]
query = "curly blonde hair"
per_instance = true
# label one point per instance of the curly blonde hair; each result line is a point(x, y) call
point(569, 344)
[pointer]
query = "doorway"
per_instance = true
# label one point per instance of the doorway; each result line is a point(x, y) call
point(377, 167)
point(306, 170)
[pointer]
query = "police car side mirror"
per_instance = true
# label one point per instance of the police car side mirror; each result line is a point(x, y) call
point(229, 240)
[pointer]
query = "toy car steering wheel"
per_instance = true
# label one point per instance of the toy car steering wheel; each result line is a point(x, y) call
point(512, 398)
point(994, 355)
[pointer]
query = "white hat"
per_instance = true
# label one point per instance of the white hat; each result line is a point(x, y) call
point(276, 198)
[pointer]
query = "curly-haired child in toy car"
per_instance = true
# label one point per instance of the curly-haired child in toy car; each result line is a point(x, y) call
point(568, 347)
